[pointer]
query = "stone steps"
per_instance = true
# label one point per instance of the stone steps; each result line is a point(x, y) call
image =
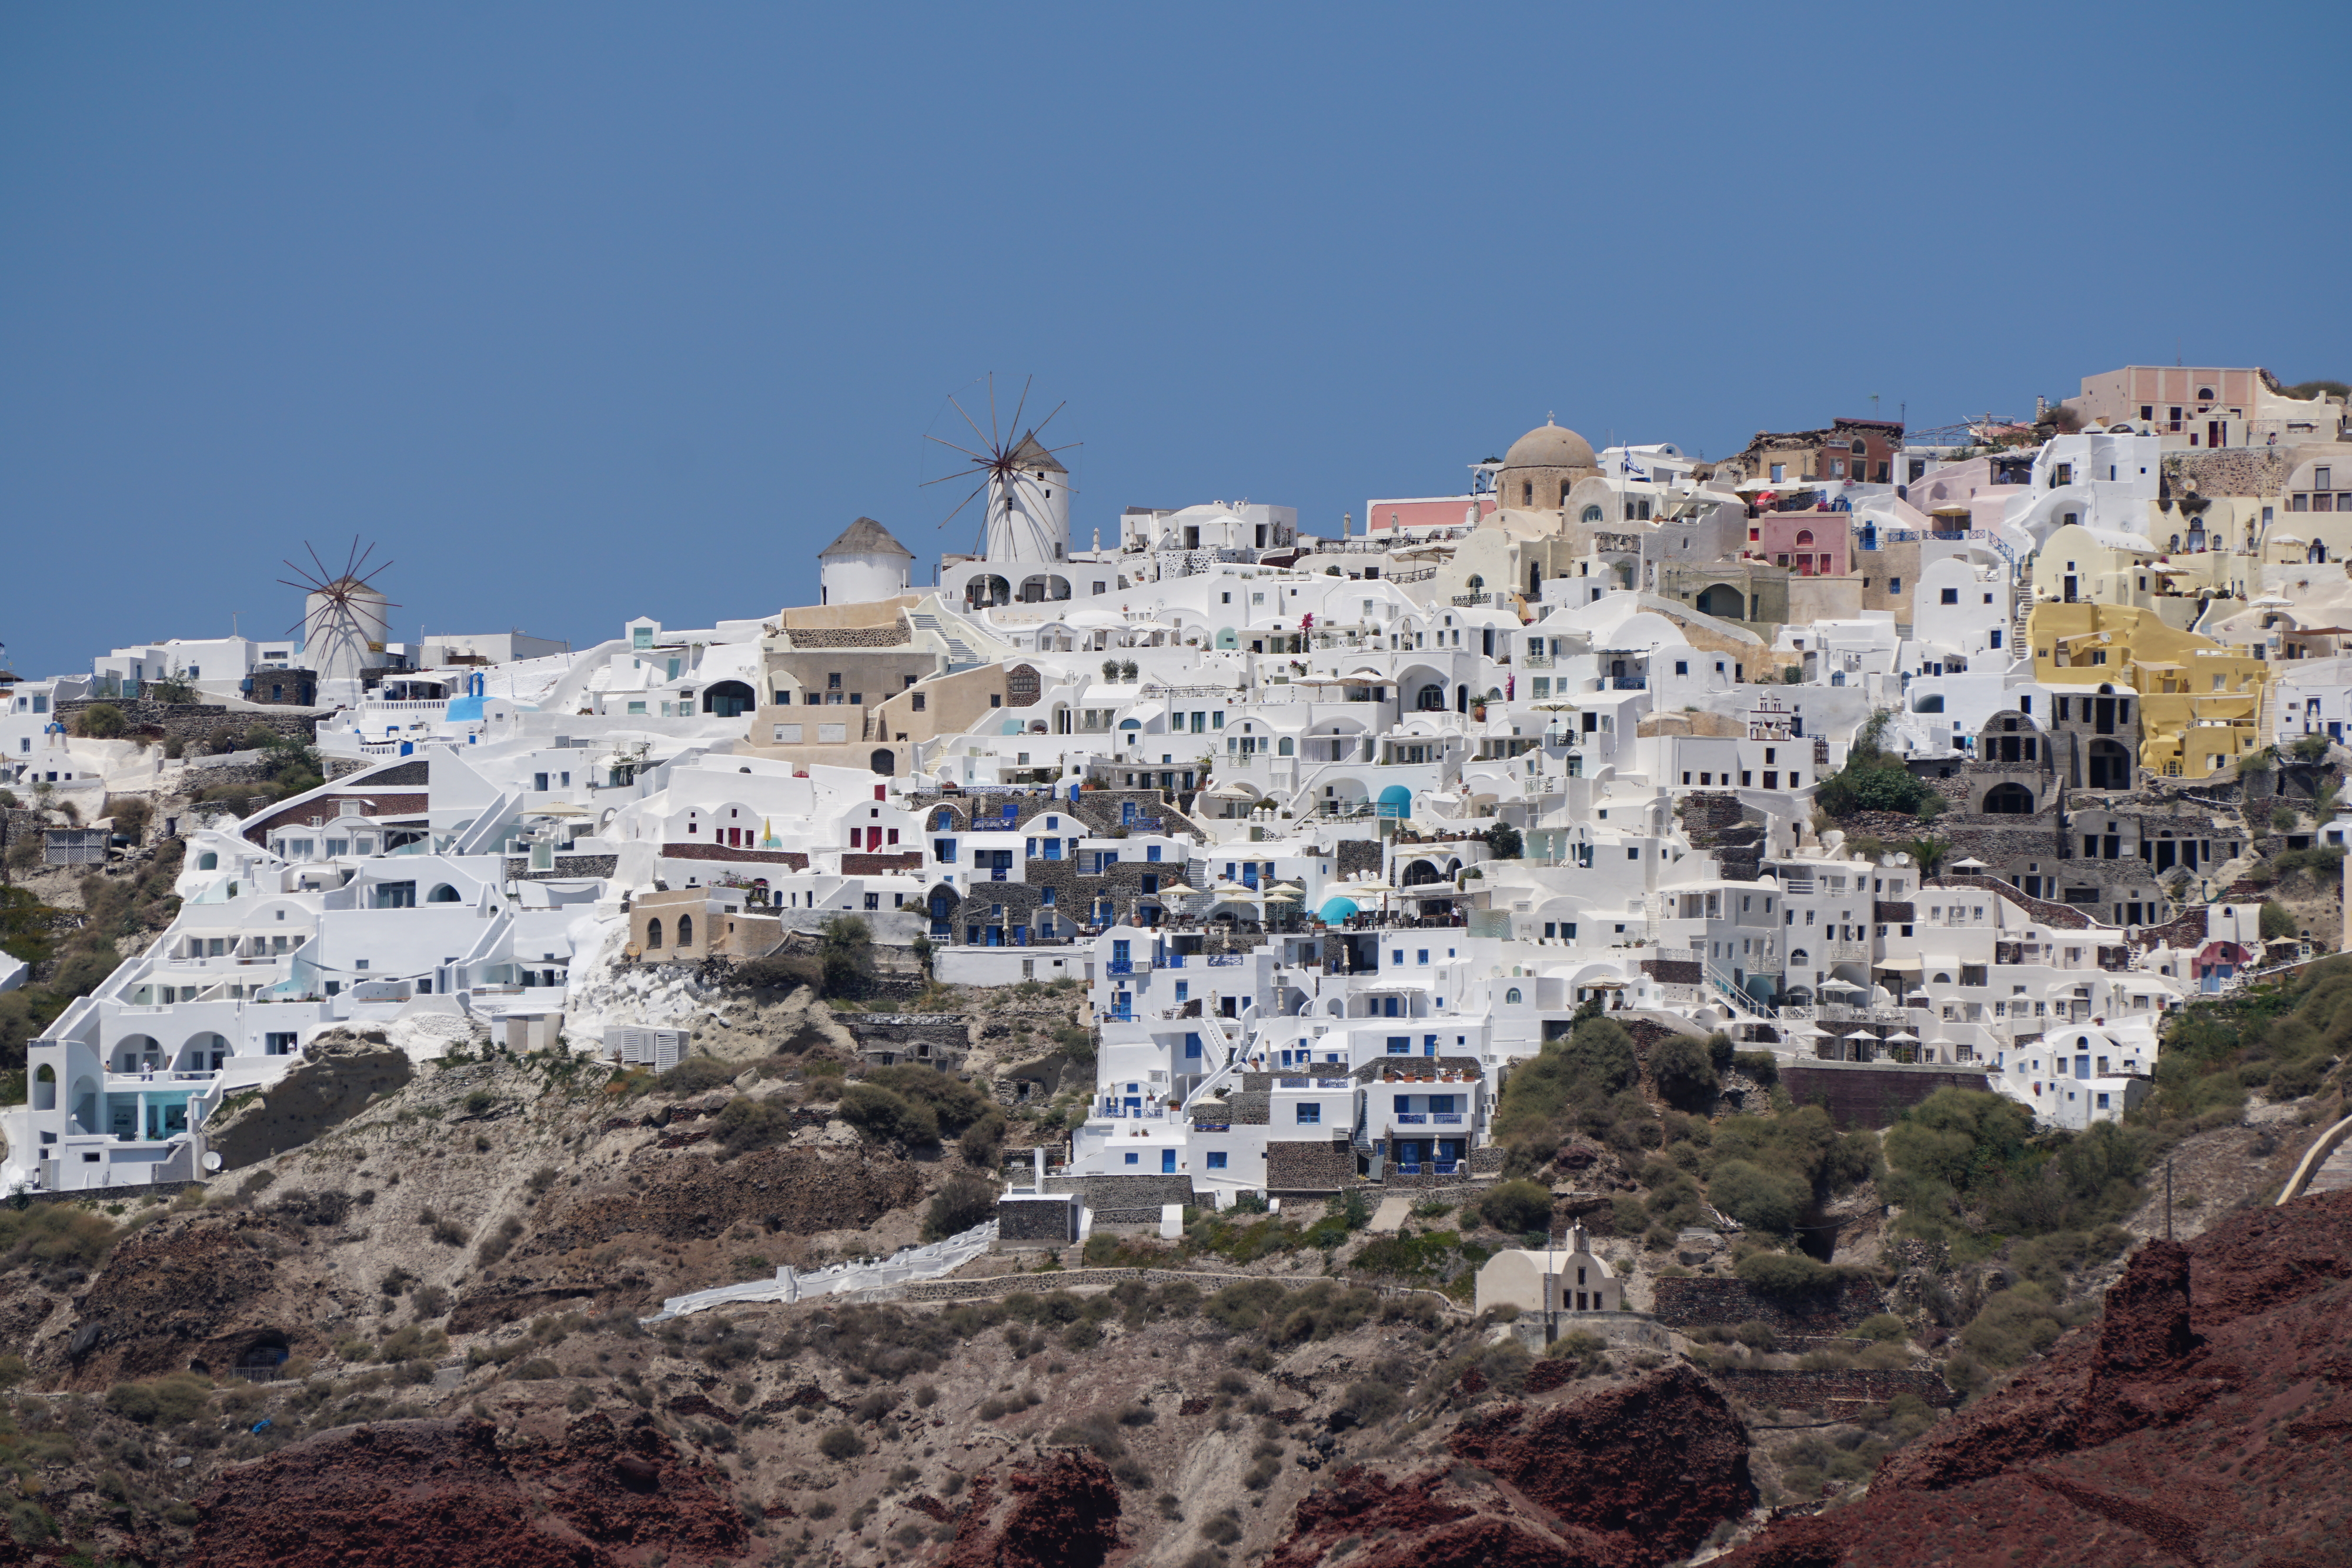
point(2334, 1175)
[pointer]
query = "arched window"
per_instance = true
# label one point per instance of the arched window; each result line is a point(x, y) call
point(1799, 957)
point(1285, 747)
point(1592, 514)
point(45, 1089)
point(208, 861)
point(1859, 447)
point(653, 933)
point(686, 930)
point(1804, 536)
point(1431, 700)
point(2009, 800)
point(442, 893)
point(1476, 582)
point(2204, 394)
point(1512, 994)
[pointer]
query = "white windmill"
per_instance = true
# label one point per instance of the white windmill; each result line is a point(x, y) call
point(344, 623)
point(1028, 489)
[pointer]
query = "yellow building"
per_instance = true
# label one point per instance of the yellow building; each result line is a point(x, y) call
point(2200, 703)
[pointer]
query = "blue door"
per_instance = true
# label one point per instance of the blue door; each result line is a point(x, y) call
point(1167, 1162)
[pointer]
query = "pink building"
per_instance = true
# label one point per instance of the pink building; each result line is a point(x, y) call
point(1809, 544)
point(1426, 511)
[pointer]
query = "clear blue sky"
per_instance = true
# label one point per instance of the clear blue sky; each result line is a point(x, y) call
point(587, 311)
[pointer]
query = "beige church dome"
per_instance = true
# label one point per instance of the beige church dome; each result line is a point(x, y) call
point(1550, 447)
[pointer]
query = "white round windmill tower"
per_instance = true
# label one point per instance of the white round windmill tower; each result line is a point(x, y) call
point(345, 624)
point(1026, 487)
point(1029, 507)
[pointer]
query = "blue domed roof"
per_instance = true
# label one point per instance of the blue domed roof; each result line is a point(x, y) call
point(464, 710)
point(1396, 800)
point(1338, 909)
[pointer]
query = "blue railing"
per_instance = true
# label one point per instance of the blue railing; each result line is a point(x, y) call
point(1173, 961)
point(1119, 966)
point(1451, 1118)
point(1411, 1118)
point(1227, 960)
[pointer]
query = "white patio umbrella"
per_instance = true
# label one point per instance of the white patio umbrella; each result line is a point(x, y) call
point(1862, 1034)
point(1971, 864)
point(1290, 889)
point(1846, 987)
point(1902, 1037)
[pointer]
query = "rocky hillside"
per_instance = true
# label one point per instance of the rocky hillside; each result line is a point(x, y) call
point(455, 1259)
point(2205, 1419)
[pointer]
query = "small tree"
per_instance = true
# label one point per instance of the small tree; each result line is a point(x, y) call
point(845, 948)
point(1929, 854)
point(1110, 669)
point(171, 689)
point(2278, 920)
point(102, 721)
point(1503, 841)
point(1684, 1069)
point(1127, 671)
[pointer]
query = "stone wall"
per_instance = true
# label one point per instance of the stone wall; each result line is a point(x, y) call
point(1358, 854)
point(199, 721)
point(1149, 1190)
point(891, 637)
point(1033, 1221)
point(1303, 1167)
point(1703, 1303)
point(518, 867)
point(1803, 1390)
point(1860, 1094)
point(2232, 471)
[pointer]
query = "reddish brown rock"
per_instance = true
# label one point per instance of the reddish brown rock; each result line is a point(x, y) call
point(1064, 1514)
point(1658, 1463)
point(2200, 1424)
point(446, 1492)
point(1630, 1477)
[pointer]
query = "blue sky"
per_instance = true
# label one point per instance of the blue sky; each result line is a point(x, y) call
point(582, 312)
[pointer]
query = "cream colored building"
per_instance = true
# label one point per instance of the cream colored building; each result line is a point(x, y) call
point(1568, 1280)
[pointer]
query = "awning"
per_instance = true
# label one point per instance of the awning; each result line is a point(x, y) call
point(1898, 964)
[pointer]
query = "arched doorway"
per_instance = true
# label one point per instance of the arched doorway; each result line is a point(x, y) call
point(729, 699)
point(1724, 601)
point(2108, 765)
point(883, 761)
point(1432, 699)
point(2009, 800)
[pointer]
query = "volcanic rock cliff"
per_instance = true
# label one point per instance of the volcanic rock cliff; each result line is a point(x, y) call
point(2207, 1420)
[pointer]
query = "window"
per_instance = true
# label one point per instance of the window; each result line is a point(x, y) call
point(1894, 585)
point(1311, 1115)
point(1512, 994)
point(1951, 596)
point(1217, 1157)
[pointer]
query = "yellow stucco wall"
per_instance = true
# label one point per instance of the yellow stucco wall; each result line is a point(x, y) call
point(2201, 702)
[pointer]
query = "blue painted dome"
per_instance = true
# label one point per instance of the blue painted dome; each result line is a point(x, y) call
point(1338, 909)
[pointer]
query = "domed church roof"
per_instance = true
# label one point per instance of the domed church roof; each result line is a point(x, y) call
point(1549, 445)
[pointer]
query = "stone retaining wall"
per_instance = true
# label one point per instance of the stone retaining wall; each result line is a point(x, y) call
point(1699, 1302)
point(1082, 1278)
point(1803, 1390)
point(1859, 1094)
point(199, 721)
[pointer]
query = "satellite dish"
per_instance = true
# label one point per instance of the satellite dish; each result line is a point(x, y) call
point(212, 1159)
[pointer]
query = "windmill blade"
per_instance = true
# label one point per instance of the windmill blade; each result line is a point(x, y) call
point(1011, 446)
point(951, 447)
point(325, 577)
point(944, 478)
point(995, 441)
point(360, 560)
point(1042, 424)
point(976, 489)
point(977, 433)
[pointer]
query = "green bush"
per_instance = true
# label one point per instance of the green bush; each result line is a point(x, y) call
point(1368, 1404)
point(2014, 1325)
point(953, 1103)
point(887, 1118)
point(1593, 1062)
point(1772, 1200)
point(840, 1443)
point(1787, 1275)
point(1517, 1208)
point(1684, 1069)
point(2277, 921)
point(983, 1144)
point(696, 1075)
point(965, 1201)
point(744, 1124)
point(172, 1401)
point(1884, 1327)
point(101, 721)
point(1760, 1065)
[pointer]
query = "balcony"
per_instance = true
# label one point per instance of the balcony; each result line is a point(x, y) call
point(1446, 1118)
point(1629, 682)
point(1411, 1119)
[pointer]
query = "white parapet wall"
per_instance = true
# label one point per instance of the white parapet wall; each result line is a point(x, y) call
point(928, 1262)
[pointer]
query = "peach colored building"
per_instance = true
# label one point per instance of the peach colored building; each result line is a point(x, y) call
point(1809, 544)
